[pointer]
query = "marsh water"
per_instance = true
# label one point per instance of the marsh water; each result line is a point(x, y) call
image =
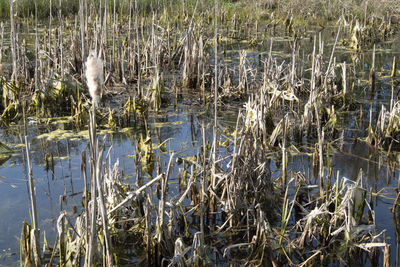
point(178, 124)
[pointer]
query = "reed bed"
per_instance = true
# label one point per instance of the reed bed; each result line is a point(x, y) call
point(230, 209)
point(144, 50)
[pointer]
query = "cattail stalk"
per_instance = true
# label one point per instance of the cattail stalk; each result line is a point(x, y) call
point(35, 233)
point(331, 58)
point(284, 161)
point(50, 37)
point(36, 49)
point(130, 37)
point(61, 41)
point(215, 95)
point(164, 183)
point(321, 135)
point(344, 78)
point(2, 44)
point(93, 211)
point(83, 171)
point(82, 25)
point(372, 73)
point(102, 206)
point(139, 89)
point(393, 73)
point(13, 43)
point(392, 97)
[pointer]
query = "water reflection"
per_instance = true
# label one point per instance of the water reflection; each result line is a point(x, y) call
point(61, 176)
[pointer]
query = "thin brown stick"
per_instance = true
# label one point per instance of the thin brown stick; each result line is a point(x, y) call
point(135, 193)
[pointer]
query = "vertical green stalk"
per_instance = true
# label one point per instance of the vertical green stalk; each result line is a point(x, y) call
point(336, 193)
point(286, 213)
point(393, 73)
point(285, 216)
point(328, 169)
point(372, 73)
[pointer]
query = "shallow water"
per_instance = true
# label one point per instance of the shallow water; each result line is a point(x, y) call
point(182, 128)
point(178, 125)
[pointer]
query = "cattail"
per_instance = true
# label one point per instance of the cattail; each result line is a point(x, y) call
point(94, 77)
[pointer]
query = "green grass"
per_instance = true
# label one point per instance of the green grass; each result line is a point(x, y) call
point(304, 11)
point(26, 8)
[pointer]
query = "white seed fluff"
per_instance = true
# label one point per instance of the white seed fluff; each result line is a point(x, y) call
point(94, 77)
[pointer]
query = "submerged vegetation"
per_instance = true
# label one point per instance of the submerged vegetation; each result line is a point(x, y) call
point(226, 204)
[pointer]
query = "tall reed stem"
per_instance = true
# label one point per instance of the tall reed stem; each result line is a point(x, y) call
point(35, 233)
point(82, 25)
point(13, 43)
point(93, 211)
point(215, 94)
point(61, 41)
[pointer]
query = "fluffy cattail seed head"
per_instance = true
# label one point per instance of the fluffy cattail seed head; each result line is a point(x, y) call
point(94, 77)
